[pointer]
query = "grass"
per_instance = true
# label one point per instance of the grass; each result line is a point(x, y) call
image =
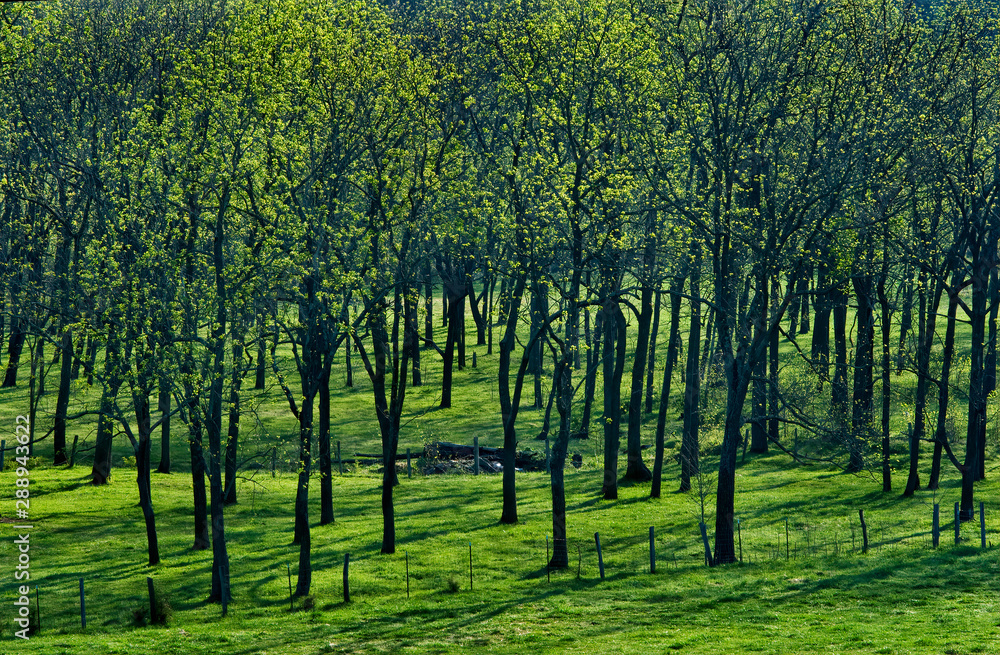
point(900, 597)
point(813, 591)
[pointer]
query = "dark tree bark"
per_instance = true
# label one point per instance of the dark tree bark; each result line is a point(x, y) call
point(62, 398)
point(325, 462)
point(668, 371)
point(101, 470)
point(510, 402)
point(163, 406)
point(651, 359)
point(883, 301)
point(636, 468)
point(233, 432)
point(861, 414)
point(928, 302)
point(839, 390)
point(758, 422)
point(614, 366)
point(944, 383)
point(692, 385)
point(820, 350)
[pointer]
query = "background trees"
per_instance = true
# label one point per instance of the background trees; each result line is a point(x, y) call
point(188, 186)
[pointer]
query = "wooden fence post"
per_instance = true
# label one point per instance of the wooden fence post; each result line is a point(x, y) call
point(864, 531)
point(958, 525)
point(347, 585)
point(409, 466)
point(152, 600)
point(652, 551)
point(83, 608)
point(936, 526)
point(982, 524)
point(704, 541)
point(475, 453)
point(600, 556)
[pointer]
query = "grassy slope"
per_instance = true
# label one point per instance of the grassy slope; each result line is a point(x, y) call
point(901, 597)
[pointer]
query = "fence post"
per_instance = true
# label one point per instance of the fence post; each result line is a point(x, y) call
point(83, 608)
point(958, 525)
point(548, 468)
point(652, 551)
point(291, 601)
point(936, 526)
point(787, 554)
point(152, 600)
point(3, 448)
point(274, 460)
point(739, 534)
point(600, 556)
point(409, 467)
point(347, 585)
point(704, 541)
point(548, 569)
point(864, 531)
point(470, 566)
point(407, 554)
point(475, 453)
point(982, 524)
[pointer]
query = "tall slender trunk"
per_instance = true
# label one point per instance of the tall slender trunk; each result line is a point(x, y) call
point(977, 387)
point(944, 384)
point(510, 403)
point(163, 406)
point(614, 367)
point(325, 462)
point(651, 359)
point(692, 386)
point(926, 321)
point(861, 413)
point(668, 371)
point(838, 388)
point(62, 398)
point(636, 468)
point(233, 432)
point(886, 320)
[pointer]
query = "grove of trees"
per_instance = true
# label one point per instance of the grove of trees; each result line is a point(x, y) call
point(637, 202)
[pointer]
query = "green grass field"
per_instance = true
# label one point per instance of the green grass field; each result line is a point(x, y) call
point(807, 590)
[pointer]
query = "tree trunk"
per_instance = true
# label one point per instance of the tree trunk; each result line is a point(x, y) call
point(564, 398)
point(325, 463)
point(636, 468)
point(977, 383)
point(101, 471)
point(62, 398)
point(941, 429)
point(668, 371)
point(302, 534)
point(839, 391)
point(758, 422)
point(651, 358)
point(142, 465)
point(926, 320)
point(163, 406)
point(614, 367)
point(861, 414)
point(883, 300)
point(201, 538)
point(692, 385)
point(233, 432)
point(510, 403)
